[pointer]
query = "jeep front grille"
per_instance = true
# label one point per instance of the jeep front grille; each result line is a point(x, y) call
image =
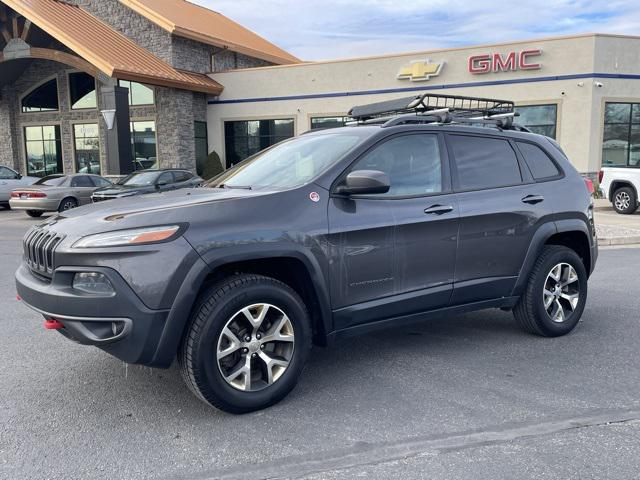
point(39, 246)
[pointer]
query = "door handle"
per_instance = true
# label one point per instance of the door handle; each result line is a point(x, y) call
point(533, 199)
point(438, 209)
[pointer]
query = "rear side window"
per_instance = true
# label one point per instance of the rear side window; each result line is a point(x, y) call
point(484, 162)
point(538, 161)
point(82, 181)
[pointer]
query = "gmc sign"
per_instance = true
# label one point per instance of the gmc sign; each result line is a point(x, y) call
point(497, 62)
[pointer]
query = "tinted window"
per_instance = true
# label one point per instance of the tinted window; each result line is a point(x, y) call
point(7, 174)
point(182, 176)
point(42, 99)
point(82, 181)
point(246, 138)
point(484, 162)
point(82, 88)
point(539, 163)
point(411, 161)
point(540, 119)
point(166, 178)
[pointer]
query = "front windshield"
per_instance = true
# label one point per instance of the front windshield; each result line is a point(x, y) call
point(289, 164)
point(51, 180)
point(139, 179)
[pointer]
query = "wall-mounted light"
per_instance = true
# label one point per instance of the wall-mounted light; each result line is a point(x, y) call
point(109, 118)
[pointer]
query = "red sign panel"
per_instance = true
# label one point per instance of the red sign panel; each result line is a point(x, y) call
point(510, 62)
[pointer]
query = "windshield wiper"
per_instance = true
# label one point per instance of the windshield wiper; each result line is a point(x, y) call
point(238, 187)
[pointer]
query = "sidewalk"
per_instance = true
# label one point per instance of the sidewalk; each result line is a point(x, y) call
point(616, 229)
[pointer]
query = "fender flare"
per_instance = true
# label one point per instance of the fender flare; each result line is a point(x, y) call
point(544, 233)
point(185, 299)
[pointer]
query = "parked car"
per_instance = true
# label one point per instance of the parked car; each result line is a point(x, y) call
point(397, 219)
point(56, 193)
point(148, 181)
point(10, 179)
point(620, 185)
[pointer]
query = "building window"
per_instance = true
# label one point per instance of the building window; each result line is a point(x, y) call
point(82, 91)
point(144, 145)
point(202, 146)
point(42, 99)
point(43, 149)
point(621, 142)
point(139, 94)
point(245, 138)
point(540, 119)
point(86, 137)
point(321, 123)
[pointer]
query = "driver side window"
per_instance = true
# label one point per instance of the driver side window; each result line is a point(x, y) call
point(412, 162)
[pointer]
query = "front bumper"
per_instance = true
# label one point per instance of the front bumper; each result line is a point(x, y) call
point(119, 324)
point(38, 204)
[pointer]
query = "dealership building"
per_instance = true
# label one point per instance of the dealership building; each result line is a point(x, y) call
point(110, 86)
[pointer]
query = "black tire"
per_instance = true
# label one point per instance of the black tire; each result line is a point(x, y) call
point(34, 213)
point(530, 312)
point(214, 308)
point(67, 204)
point(625, 201)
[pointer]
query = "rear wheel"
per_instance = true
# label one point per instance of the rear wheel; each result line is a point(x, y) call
point(556, 293)
point(67, 204)
point(625, 201)
point(247, 343)
point(34, 213)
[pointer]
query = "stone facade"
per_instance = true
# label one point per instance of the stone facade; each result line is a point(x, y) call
point(174, 111)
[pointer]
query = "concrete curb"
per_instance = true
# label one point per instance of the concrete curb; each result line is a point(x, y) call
point(611, 241)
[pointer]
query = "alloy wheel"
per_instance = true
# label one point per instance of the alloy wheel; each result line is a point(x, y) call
point(561, 292)
point(622, 200)
point(255, 347)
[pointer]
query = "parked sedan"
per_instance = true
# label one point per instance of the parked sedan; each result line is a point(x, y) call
point(148, 181)
point(56, 193)
point(9, 180)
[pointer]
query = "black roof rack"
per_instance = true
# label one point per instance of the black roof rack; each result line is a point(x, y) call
point(438, 108)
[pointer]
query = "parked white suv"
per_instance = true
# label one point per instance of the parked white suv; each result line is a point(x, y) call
point(620, 185)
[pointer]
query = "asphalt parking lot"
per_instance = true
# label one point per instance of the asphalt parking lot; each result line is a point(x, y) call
point(463, 397)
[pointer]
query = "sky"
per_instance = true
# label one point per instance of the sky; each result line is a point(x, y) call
point(331, 29)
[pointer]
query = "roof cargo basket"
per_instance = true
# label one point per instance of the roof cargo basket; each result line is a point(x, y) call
point(438, 108)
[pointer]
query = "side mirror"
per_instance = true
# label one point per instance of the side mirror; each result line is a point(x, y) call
point(18, 176)
point(364, 182)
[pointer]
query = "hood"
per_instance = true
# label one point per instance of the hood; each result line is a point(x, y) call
point(147, 210)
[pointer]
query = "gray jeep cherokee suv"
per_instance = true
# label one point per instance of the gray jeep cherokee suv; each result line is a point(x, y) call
point(334, 233)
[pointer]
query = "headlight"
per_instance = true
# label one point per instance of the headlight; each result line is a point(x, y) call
point(135, 236)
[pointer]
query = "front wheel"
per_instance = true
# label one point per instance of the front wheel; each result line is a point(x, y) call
point(555, 295)
point(247, 343)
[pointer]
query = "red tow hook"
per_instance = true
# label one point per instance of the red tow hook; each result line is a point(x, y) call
point(52, 324)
